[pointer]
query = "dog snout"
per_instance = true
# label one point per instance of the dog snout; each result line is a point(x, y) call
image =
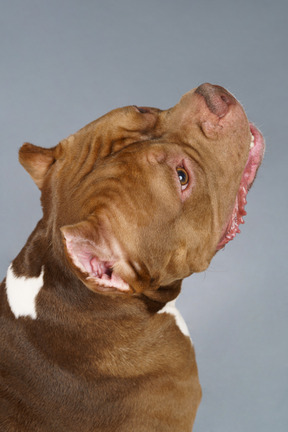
point(217, 99)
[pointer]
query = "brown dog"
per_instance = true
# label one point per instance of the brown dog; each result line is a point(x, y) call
point(132, 204)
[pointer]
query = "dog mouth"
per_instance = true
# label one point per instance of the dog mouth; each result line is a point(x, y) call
point(255, 157)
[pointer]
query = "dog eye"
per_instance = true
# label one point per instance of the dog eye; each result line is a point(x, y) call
point(183, 177)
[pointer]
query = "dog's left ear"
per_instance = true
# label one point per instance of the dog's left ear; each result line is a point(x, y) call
point(37, 161)
point(83, 244)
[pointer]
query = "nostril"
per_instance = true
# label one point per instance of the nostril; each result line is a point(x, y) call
point(217, 98)
point(225, 99)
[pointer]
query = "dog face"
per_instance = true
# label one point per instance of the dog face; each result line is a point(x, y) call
point(141, 197)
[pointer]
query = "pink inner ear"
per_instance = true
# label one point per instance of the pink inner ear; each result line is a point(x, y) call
point(101, 273)
point(81, 253)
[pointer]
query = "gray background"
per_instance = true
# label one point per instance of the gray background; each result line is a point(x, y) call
point(64, 63)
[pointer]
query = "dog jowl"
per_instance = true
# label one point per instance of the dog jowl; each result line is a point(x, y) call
point(132, 204)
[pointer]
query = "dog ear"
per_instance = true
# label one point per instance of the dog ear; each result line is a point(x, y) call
point(79, 245)
point(37, 161)
point(85, 251)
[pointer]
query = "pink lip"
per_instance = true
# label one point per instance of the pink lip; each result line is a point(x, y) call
point(255, 157)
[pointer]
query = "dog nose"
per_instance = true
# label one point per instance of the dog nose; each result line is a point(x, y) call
point(217, 99)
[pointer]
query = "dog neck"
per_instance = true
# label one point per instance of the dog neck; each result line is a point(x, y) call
point(38, 279)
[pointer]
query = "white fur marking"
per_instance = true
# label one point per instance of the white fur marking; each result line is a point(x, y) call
point(22, 293)
point(171, 309)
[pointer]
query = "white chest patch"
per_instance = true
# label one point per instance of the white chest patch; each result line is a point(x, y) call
point(171, 309)
point(22, 293)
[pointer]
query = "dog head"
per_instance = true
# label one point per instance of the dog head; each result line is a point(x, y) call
point(141, 197)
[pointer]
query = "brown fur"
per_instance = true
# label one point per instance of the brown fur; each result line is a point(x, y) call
point(106, 361)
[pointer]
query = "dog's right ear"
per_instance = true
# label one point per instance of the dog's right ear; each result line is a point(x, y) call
point(37, 161)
